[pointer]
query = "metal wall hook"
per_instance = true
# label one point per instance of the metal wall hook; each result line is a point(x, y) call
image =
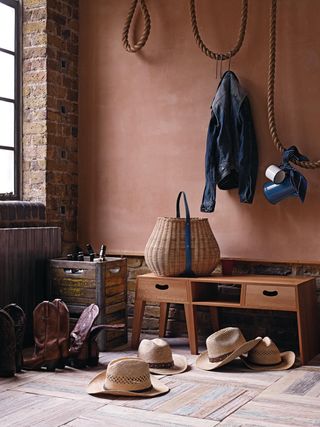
point(221, 66)
point(217, 61)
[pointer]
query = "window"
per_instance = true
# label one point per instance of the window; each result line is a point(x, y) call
point(9, 99)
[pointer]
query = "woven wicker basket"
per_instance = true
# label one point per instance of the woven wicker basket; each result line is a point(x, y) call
point(165, 252)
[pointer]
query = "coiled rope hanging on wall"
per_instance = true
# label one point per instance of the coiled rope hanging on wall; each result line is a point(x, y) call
point(219, 56)
point(146, 31)
point(271, 85)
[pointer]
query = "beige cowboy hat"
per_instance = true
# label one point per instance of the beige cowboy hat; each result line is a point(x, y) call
point(224, 346)
point(266, 356)
point(157, 353)
point(127, 376)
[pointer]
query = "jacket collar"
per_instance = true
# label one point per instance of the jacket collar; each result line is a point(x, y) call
point(229, 86)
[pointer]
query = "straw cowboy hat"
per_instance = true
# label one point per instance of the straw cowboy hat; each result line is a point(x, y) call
point(127, 376)
point(157, 353)
point(224, 346)
point(265, 356)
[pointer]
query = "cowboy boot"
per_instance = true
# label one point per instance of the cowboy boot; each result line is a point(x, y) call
point(46, 336)
point(19, 319)
point(7, 345)
point(93, 349)
point(89, 353)
point(63, 329)
point(79, 345)
point(81, 331)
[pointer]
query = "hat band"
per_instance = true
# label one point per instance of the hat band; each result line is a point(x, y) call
point(219, 358)
point(130, 391)
point(161, 365)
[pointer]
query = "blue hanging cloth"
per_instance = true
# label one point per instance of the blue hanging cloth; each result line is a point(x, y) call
point(298, 181)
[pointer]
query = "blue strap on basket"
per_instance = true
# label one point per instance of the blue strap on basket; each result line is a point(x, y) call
point(187, 242)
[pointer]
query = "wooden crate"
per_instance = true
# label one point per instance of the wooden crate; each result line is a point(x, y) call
point(80, 283)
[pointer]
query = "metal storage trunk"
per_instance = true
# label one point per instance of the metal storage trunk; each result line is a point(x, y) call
point(80, 283)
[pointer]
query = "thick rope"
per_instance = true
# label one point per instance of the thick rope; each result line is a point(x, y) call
point(271, 85)
point(220, 56)
point(146, 31)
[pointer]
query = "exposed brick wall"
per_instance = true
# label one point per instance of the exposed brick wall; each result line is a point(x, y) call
point(50, 111)
point(281, 326)
point(62, 118)
point(34, 141)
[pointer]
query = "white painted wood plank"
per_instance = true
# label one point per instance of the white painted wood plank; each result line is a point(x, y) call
point(34, 410)
point(273, 414)
point(115, 416)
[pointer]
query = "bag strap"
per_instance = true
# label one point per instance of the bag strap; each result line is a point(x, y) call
point(188, 271)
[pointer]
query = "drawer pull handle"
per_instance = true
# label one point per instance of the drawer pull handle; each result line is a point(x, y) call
point(162, 287)
point(73, 270)
point(114, 270)
point(270, 293)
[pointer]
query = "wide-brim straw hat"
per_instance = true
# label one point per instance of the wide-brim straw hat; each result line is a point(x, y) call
point(267, 357)
point(127, 376)
point(224, 346)
point(157, 353)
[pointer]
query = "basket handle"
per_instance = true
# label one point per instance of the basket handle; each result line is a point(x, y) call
point(188, 271)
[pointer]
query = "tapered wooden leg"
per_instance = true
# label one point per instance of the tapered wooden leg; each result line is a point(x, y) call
point(191, 320)
point(137, 322)
point(164, 311)
point(214, 318)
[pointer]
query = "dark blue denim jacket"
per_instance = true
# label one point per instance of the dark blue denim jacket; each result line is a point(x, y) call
point(231, 154)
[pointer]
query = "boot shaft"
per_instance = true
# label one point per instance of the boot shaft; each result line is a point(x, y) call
point(63, 327)
point(80, 333)
point(19, 319)
point(46, 330)
point(8, 345)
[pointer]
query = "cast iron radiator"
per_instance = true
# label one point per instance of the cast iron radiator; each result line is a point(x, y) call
point(24, 253)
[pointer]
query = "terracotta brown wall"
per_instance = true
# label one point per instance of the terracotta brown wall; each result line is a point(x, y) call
point(144, 117)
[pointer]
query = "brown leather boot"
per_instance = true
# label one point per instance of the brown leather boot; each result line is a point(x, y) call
point(79, 344)
point(19, 319)
point(81, 331)
point(7, 345)
point(63, 328)
point(93, 348)
point(89, 353)
point(46, 335)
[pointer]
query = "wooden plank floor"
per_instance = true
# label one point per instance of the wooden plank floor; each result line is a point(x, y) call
point(232, 396)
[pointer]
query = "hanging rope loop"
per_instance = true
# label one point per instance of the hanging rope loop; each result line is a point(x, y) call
point(219, 55)
point(146, 31)
point(271, 86)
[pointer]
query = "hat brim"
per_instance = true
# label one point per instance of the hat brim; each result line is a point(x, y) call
point(203, 361)
point(287, 361)
point(180, 365)
point(96, 386)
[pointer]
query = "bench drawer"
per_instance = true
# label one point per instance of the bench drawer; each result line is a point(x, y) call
point(162, 290)
point(270, 296)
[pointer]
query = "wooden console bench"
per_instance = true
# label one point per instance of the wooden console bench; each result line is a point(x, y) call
point(286, 293)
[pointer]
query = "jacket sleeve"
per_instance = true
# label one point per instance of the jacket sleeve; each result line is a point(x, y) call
point(248, 154)
point(209, 193)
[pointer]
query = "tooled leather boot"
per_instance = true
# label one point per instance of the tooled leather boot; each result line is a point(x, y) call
point(7, 345)
point(46, 336)
point(79, 343)
point(89, 353)
point(19, 319)
point(63, 328)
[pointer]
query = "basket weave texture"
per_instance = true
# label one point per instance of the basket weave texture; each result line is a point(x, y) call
point(165, 249)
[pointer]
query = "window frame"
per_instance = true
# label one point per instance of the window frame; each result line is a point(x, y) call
point(16, 4)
